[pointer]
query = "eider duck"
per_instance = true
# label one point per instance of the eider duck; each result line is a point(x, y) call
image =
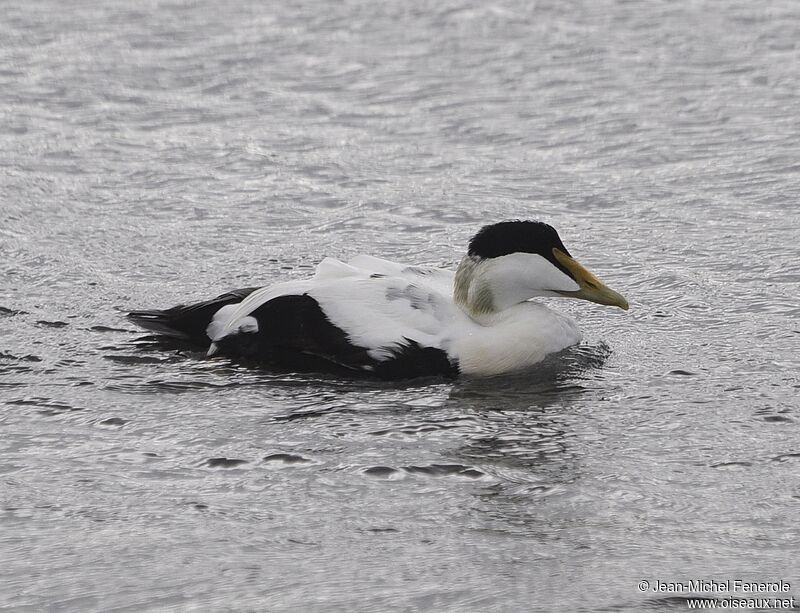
point(382, 319)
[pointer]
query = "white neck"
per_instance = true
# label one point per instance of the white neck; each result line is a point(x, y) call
point(484, 287)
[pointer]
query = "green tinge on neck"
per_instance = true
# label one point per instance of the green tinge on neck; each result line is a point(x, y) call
point(475, 301)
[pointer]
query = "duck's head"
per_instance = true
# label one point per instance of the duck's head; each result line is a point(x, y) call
point(513, 261)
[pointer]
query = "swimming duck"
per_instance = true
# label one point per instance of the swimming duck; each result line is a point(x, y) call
point(393, 321)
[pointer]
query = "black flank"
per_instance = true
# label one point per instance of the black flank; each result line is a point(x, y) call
point(412, 360)
point(294, 333)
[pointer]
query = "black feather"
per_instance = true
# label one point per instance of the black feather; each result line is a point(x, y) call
point(509, 237)
point(187, 322)
point(412, 360)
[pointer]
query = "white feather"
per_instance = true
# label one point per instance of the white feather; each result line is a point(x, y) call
point(227, 320)
point(517, 277)
point(439, 279)
point(516, 338)
point(384, 312)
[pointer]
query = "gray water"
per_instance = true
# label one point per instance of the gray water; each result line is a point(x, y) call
point(160, 152)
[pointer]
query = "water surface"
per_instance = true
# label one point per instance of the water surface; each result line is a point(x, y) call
point(169, 151)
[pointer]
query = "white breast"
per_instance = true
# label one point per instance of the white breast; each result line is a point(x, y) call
point(514, 339)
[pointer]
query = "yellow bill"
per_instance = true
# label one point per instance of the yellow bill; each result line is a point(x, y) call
point(591, 288)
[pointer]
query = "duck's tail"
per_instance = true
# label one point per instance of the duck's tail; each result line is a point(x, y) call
point(187, 322)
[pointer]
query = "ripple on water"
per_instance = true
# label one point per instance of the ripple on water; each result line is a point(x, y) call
point(8, 312)
point(778, 419)
point(107, 329)
point(11, 363)
point(383, 472)
point(112, 422)
point(224, 462)
point(51, 324)
point(286, 459)
point(45, 406)
point(166, 386)
point(428, 426)
point(773, 415)
point(445, 470)
point(142, 359)
point(787, 457)
point(19, 358)
point(733, 465)
point(427, 470)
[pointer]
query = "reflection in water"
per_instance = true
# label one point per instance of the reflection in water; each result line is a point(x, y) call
point(548, 381)
point(525, 439)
